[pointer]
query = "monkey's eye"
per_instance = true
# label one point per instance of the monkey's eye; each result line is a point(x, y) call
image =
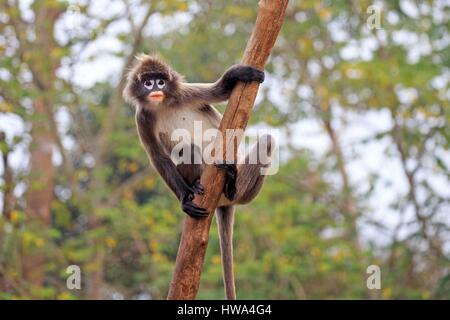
point(160, 83)
point(149, 84)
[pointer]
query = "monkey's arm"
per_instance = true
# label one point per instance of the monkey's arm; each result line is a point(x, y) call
point(185, 193)
point(163, 164)
point(168, 171)
point(219, 91)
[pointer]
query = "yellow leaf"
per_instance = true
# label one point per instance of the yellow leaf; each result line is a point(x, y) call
point(39, 242)
point(133, 166)
point(315, 252)
point(65, 296)
point(339, 256)
point(128, 195)
point(110, 242)
point(215, 259)
point(14, 216)
point(149, 183)
point(153, 245)
point(149, 222)
point(182, 6)
point(5, 107)
point(157, 257)
point(324, 14)
point(387, 293)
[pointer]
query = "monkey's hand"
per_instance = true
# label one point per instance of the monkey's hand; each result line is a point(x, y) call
point(188, 206)
point(230, 169)
point(242, 73)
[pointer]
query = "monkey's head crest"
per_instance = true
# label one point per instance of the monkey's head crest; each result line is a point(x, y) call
point(151, 81)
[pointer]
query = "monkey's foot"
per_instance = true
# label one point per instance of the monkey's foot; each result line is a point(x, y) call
point(197, 187)
point(192, 209)
point(230, 169)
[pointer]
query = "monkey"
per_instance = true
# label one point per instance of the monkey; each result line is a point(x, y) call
point(164, 102)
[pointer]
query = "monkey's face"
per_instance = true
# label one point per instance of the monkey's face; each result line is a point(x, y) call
point(151, 82)
point(154, 85)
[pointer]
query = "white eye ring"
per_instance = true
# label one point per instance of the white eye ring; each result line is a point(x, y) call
point(160, 83)
point(149, 84)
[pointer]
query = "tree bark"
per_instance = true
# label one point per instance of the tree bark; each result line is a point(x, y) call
point(7, 178)
point(348, 203)
point(43, 65)
point(194, 239)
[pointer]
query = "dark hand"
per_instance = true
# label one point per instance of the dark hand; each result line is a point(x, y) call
point(241, 73)
point(229, 188)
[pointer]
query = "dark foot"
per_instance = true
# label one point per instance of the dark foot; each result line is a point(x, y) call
point(197, 188)
point(229, 188)
point(191, 209)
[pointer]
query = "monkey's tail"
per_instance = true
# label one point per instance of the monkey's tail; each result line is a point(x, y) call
point(225, 221)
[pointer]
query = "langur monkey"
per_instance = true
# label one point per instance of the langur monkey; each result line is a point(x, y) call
point(164, 103)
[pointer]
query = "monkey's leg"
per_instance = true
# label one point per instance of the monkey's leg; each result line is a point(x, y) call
point(249, 177)
point(191, 174)
point(225, 221)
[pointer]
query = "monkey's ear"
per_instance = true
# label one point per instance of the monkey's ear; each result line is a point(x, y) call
point(127, 92)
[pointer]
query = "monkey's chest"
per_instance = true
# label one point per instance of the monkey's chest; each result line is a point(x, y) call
point(185, 127)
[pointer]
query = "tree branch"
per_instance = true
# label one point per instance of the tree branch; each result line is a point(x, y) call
point(412, 192)
point(7, 177)
point(194, 239)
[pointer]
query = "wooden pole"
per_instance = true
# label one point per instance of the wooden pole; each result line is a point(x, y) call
point(194, 238)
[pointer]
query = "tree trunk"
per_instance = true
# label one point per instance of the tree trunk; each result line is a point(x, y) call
point(194, 239)
point(40, 188)
point(42, 62)
point(7, 178)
